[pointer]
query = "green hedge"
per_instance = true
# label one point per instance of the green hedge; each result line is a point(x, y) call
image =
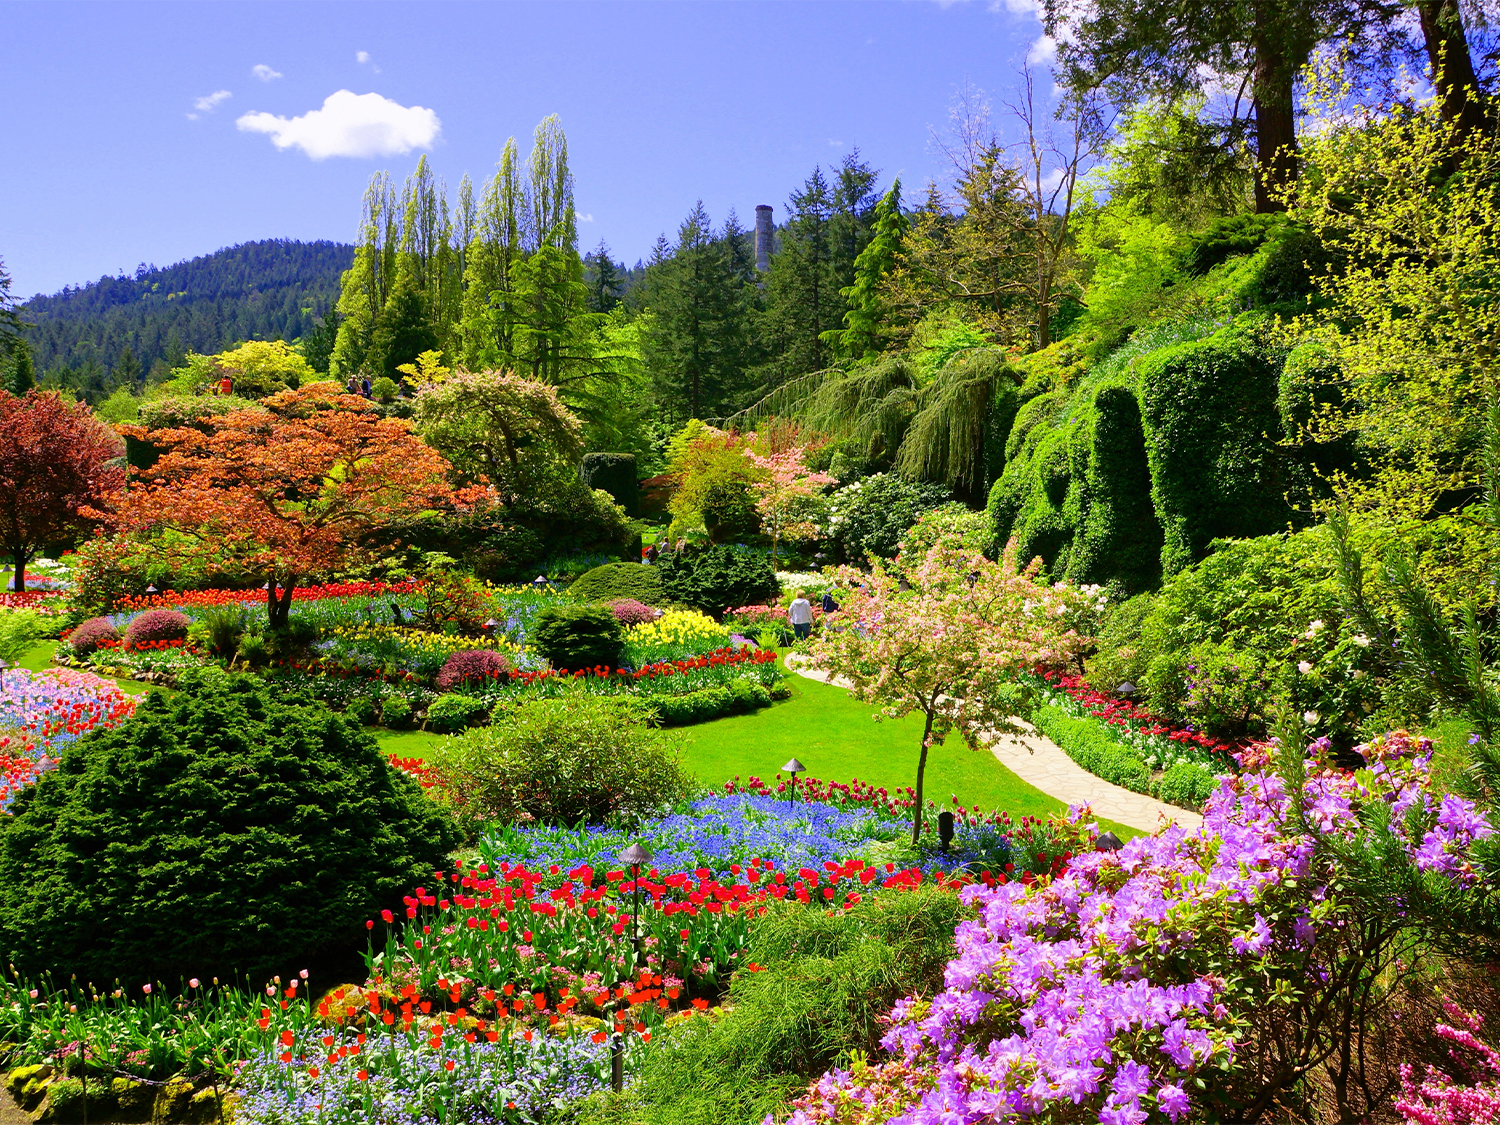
point(1086, 743)
point(1211, 425)
point(719, 579)
point(1186, 785)
point(620, 580)
point(709, 703)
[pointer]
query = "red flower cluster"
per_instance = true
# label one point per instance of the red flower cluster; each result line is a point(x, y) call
point(414, 768)
point(29, 599)
point(1122, 713)
point(719, 658)
point(128, 646)
point(171, 599)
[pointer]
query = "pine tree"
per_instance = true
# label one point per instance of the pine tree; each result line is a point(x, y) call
point(22, 374)
point(403, 332)
point(861, 337)
point(127, 369)
point(603, 277)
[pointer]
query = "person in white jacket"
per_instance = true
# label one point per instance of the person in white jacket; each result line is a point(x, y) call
point(800, 614)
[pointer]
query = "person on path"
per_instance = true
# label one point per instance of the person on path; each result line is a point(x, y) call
point(829, 605)
point(364, 386)
point(800, 614)
point(225, 386)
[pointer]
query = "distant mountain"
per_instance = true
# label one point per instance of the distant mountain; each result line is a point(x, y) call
point(255, 291)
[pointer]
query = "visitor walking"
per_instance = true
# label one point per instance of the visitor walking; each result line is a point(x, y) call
point(829, 605)
point(800, 614)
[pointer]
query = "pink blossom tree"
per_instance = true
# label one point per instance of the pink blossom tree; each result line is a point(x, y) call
point(783, 489)
point(949, 646)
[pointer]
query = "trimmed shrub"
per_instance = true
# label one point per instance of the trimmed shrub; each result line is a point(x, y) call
point(384, 389)
point(223, 830)
point(470, 666)
point(448, 713)
point(1211, 424)
point(620, 580)
point(579, 636)
point(629, 612)
point(870, 516)
point(709, 703)
point(562, 761)
point(157, 625)
point(1088, 745)
point(718, 578)
point(1186, 785)
point(614, 473)
point(361, 710)
point(395, 711)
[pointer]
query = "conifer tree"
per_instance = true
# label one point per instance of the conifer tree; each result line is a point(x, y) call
point(861, 335)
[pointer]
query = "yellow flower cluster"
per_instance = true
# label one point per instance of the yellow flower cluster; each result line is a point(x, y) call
point(419, 639)
point(683, 627)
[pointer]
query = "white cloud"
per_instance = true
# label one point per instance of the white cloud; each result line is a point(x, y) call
point(1043, 52)
point(833, 143)
point(361, 56)
point(582, 218)
point(350, 124)
point(211, 102)
point(265, 73)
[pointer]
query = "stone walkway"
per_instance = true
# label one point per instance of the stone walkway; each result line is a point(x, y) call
point(1039, 761)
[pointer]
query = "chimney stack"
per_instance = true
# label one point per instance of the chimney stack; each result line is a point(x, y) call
point(763, 230)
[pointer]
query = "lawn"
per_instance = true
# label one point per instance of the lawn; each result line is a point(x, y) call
point(837, 740)
point(39, 657)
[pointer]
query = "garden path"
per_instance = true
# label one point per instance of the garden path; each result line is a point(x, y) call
point(1039, 761)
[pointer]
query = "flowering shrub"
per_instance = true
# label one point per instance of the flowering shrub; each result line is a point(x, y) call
point(88, 636)
point(470, 665)
point(156, 625)
point(630, 612)
point(397, 652)
point(676, 635)
point(1154, 979)
point(1470, 1095)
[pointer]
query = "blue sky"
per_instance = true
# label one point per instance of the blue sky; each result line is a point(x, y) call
point(144, 132)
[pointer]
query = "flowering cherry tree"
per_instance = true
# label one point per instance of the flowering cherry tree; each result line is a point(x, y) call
point(287, 489)
point(782, 490)
point(944, 636)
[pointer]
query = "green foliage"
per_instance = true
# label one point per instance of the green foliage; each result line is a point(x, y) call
point(452, 712)
point(828, 981)
point(869, 517)
point(718, 579)
point(223, 830)
point(949, 521)
point(620, 580)
point(383, 389)
point(571, 760)
point(19, 629)
point(220, 627)
point(1209, 412)
point(1233, 234)
point(709, 703)
point(614, 473)
point(395, 711)
point(575, 637)
point(173, 412)
point(1186, 785)
point(1086, 742)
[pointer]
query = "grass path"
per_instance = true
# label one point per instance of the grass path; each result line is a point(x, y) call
point(39, 657)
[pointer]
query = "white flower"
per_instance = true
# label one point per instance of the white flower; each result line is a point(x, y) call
point(1310, 718)
point(1361, 640)
point(1314, 629)
point(1304, 667)
point(1360, 674)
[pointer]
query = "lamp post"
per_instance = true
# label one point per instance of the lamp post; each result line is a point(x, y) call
point(794, 767)
point(1108, 842)
point(1127, 691)
point(635, 855)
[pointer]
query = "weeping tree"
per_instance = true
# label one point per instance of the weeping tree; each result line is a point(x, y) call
point(948, 426)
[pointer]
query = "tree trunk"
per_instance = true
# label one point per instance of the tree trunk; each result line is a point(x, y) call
point(1275, 123)
point(1452, 65)
point(916, 820)
point(278, 608)
point(19, 558)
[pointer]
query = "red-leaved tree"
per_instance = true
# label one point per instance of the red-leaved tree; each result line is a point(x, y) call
point(56, 465)
point(287, 489)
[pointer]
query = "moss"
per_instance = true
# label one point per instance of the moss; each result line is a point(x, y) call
point(65, 1102)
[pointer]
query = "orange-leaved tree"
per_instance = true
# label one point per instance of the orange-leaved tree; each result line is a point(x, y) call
point(288, 489)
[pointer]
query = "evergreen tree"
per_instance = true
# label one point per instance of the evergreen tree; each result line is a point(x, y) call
point(802, 300)
point(127, 370)
point(11, 324)
point(317, 345)
point(861, 337)
point(403, 331)
point(22, 374)
point(603, 278)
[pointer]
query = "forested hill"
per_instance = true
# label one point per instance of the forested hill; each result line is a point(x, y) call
point(255, 291)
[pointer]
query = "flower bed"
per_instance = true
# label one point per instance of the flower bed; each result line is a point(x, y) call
point(675, 635)
point(43, 712)
point(1153, 979)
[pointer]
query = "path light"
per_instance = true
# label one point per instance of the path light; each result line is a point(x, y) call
point(539, 581)
point(489, 626)
point(1108, 842)
point(1127, 691)
point(151, 589)
point(945, 829)
point(635, 855)
point(794, 767)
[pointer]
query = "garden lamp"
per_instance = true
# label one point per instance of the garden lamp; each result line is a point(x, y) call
point(635, 855)
point(1126, 690)
point(539, 581)
point(489, 626)
point(151, 589)
point(945, 829)
point(794, 767)
point(1109, 842)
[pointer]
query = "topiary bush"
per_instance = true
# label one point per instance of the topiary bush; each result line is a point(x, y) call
point(157, 625)
point(449, 713)
point(870, 516)
point(578, 636)
point(619, 580)
point(630, 612)
point(562, 761)
point(709, 703)
point(1088, 745)
point(721, 577)
point(85, 639)
point(470, 666)
point(223, 830)
point(395, 711)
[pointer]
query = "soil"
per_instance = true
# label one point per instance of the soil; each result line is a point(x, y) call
point(10, 1112)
